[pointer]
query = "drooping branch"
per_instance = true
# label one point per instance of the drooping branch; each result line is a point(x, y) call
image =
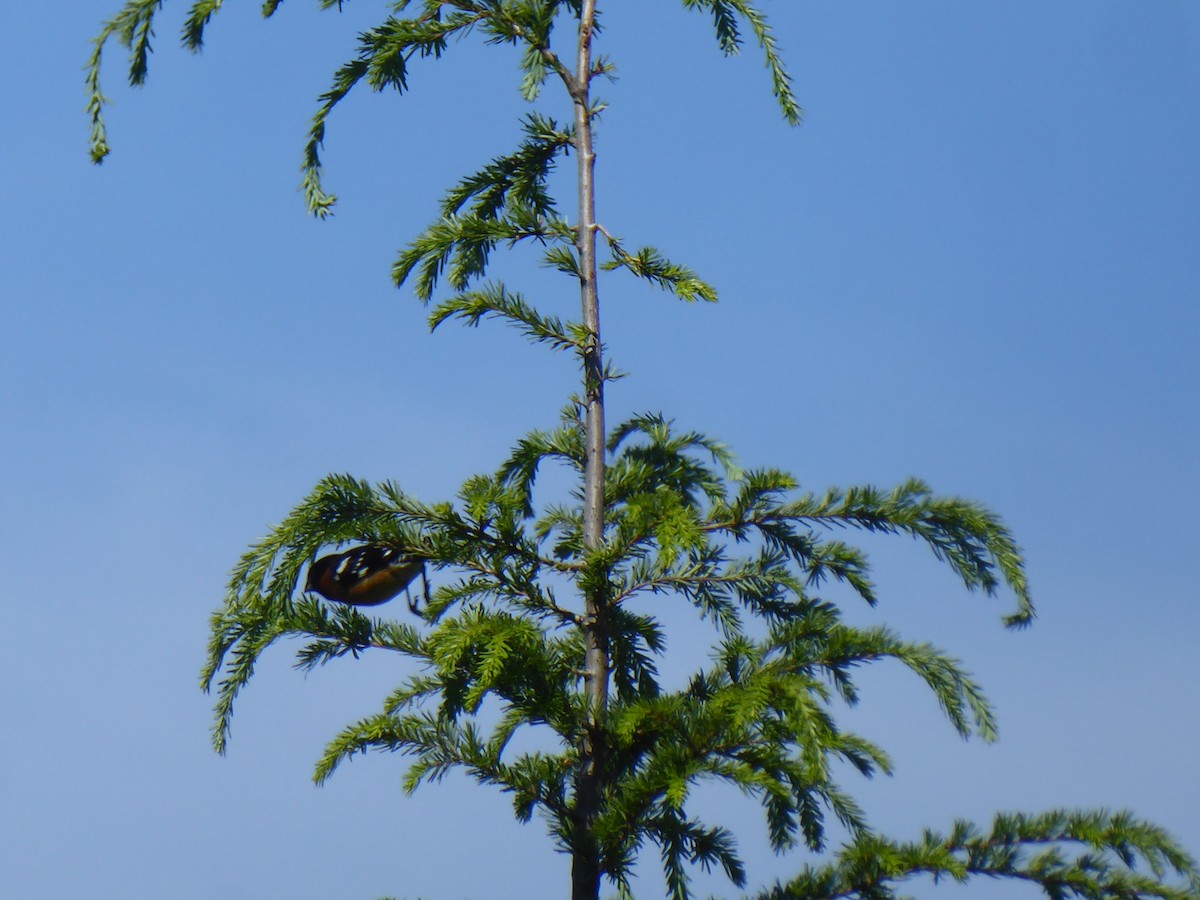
point(1068, 854)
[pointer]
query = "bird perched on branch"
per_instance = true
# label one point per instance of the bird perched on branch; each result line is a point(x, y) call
point(367, 576)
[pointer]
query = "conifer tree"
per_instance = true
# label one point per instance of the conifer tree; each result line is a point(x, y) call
point(531, 611)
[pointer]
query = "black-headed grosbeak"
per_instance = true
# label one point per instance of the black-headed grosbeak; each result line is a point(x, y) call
point(366, 576)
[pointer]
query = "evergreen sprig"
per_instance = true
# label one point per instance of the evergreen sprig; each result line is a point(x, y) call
point(962, 533)
point(495, 301)
point(1068, 854)
point(521, 175)
point(650, 264)
point(133, 28)
point(725, 14)
point(463, 243)
point(382, 59)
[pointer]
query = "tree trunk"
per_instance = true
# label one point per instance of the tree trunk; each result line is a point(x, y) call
point(585, 864)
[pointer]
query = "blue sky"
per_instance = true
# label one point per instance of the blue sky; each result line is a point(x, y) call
point(976, 262)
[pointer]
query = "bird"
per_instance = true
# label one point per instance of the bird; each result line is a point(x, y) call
point(367, 576)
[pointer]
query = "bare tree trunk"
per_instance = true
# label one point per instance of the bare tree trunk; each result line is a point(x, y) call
point(585, 865)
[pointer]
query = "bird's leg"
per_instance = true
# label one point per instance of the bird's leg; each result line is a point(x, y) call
point(412, 605)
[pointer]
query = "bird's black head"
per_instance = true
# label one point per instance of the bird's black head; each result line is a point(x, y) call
point(315, 571)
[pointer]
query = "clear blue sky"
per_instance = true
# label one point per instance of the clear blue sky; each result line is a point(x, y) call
point(977, 261)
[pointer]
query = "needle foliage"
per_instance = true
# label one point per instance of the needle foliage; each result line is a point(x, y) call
point(543, 623)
